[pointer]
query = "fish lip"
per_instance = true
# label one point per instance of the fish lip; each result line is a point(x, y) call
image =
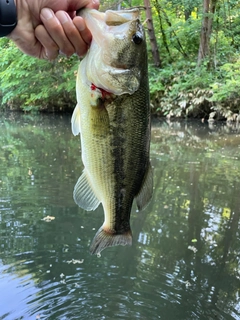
point(134, 12)
point(96, 20)
point(112, 70)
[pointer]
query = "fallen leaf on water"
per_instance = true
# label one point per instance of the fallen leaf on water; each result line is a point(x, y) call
point(48, 218)
point(187, 283)
point(75, 261)
point(192, 248)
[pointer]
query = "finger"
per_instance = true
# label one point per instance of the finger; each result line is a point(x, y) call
point(56, 31)
point(71, 14)
point(82, 28)
point(94, 4)
point(69, 5)
point(49, 48)
point(76, 38)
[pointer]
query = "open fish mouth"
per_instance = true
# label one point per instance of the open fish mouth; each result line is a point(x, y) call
point(117, 38)
point(111, 29)
point(111, 17)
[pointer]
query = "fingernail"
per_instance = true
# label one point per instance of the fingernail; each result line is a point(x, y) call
point(47, 13)
point(80, 23)
point(63, 17)
point(95, 3)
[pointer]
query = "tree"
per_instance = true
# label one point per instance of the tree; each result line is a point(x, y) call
point(151, 33)
point(209, 7)
point(46, 86)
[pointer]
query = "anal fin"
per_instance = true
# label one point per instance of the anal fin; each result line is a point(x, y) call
point(104, 239)
point(145, 194)
point(84, 195)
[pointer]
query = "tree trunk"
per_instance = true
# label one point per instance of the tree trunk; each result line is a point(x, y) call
point(164, 37)
point(151, 33)
point(209, 7)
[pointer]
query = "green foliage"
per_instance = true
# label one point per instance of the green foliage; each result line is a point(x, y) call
point(229, 87)
point(32, 84)
point(184, 89)
point(181, 87)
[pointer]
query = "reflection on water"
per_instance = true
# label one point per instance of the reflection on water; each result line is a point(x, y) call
point(184, 262)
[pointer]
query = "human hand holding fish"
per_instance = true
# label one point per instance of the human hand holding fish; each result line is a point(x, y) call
point(112, 117)
point(46, 27)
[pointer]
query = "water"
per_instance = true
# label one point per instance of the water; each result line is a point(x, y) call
point(184, 262)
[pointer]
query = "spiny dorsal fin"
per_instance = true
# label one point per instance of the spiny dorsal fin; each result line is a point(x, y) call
point(75, 121)
point(145, 194)
point(103, 240)
point(84, 195)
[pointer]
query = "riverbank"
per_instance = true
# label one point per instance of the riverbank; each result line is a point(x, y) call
point(178, 89)
point(186, 90)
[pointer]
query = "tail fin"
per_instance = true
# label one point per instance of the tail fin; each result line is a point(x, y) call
point(105, 239)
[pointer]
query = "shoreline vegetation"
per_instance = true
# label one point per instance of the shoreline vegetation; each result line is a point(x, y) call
point(194, 64)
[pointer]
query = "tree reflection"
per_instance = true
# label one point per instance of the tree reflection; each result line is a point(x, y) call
point(185, 255)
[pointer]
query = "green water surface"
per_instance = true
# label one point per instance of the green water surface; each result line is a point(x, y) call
point(184, 263)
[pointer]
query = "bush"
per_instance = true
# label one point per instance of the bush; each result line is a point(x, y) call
point(31, 85)
point(183, 89)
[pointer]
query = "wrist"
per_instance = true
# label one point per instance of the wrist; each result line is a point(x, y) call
point(8, 17)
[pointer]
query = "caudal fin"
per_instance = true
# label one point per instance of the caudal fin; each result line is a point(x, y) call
point(104, 239)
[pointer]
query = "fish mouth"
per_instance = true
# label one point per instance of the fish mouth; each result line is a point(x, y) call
point(115, 69)
point(110, 17)
point(102, 24)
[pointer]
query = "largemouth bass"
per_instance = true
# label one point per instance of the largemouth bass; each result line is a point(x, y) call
point(113, 118)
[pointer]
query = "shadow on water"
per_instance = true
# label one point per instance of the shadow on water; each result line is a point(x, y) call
point(184, 262)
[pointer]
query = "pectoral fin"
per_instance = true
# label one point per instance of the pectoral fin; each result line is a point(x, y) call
point(145, 194)
point(75, 121)
point(84, 195)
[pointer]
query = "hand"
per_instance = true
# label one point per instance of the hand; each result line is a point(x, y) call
point(47, 27)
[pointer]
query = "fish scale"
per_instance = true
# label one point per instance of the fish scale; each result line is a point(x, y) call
point(113, 119)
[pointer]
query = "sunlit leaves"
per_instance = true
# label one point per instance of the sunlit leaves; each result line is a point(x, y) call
point(32, 84)
point(182, 89)
point(179, 88)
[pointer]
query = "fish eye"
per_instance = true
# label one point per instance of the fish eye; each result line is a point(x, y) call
point(137, 39)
